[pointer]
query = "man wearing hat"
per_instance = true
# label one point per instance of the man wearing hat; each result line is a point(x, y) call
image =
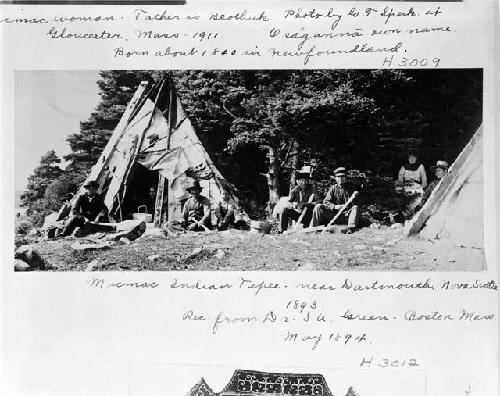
point(87, 207)
point(439, 170)
point(336, 197)
point(301, 201)
point(196, 211)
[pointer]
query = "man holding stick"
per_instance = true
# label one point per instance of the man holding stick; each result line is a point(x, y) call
point(338, 195)
point(302, 200)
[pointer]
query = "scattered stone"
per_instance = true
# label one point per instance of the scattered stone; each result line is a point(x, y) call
point(90, 246)
point(153, 257)
point(92, 265)
point(378, 248)
point(299, 241)
point(21, 266)
point(359, 247)
point(219, 254)
point(196, 252)
point(130, 229)
point(397, 225)
point(34, 232)
point(125, 241)
point(271, 238)
point(30, 256)
point(336, 253)
point(216, 246)
point(392, 242)
point(375, 226)
point(308, 266)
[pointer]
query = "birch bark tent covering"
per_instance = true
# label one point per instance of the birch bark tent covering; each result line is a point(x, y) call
point(155, 132)
point(454, 211)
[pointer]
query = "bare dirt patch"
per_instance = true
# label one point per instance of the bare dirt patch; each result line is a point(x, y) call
point(368, 249)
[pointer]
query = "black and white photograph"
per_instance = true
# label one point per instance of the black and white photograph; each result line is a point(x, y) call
point(249, 170)
point(249, 198)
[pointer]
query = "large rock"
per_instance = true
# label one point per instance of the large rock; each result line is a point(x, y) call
point(30, 256)
point(20, 265)
point(130, 229)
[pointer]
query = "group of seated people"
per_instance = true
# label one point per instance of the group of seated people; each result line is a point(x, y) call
point(412, 183)
point(197, 211)
point(304, 203)
point(88, 209)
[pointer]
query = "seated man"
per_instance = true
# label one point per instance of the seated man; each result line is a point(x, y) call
point(439, 170)
point(87, 207)
point(196, 211)
point(336, 197)
point(225, 212)
point(149, 200)
point(302, 199)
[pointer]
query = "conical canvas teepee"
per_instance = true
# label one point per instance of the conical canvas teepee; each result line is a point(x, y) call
point(155, 132)
point(454, 211)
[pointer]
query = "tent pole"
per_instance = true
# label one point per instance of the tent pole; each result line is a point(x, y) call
point(162, 192)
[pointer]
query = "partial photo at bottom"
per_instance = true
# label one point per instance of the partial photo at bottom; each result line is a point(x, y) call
point(199, 380)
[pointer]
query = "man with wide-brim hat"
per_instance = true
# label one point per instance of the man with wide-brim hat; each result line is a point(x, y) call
point(87, 207)
point(439, 170)
point(301, 201)
point(335, 199)
point(196, 212)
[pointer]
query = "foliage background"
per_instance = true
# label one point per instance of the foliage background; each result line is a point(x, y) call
point(259, 125)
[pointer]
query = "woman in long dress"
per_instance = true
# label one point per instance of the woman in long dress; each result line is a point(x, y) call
point(411, 183)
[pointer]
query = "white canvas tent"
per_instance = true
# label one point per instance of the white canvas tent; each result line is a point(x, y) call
point(155, 133)
point(454, 211)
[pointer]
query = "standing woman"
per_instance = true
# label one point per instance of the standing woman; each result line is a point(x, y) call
point(412, 180)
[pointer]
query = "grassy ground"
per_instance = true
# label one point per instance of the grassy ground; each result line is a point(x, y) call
point(368, 249)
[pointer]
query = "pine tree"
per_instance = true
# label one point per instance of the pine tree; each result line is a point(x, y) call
point(43, 175)
point(116, 88)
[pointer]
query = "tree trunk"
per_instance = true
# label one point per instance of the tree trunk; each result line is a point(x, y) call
point(294, 163)
point(273, 177)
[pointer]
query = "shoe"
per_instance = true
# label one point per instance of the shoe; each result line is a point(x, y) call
point(348, 230)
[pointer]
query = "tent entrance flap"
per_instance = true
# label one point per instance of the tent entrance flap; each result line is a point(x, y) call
point(141, 191)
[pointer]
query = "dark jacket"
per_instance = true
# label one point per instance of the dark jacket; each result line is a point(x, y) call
point(338, 195)
point(88, 207)
point(196, 209)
